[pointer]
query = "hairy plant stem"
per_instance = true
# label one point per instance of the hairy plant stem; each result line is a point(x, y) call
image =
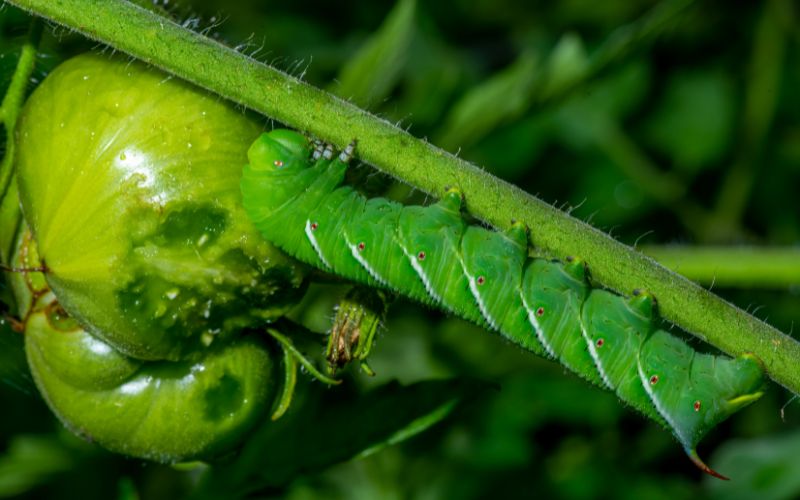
point(732, 266)
point(246, 81)
point(15, 98)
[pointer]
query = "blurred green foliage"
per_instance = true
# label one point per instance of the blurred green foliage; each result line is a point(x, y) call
point(661, 122)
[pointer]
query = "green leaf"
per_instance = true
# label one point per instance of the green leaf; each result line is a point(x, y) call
point(502, 97)
point(511, 151)
point(526, 403)
point(693, 123)
point(29, 462)
point(568, 64)
point(432, 77)
point(329, 427)
point(588, 118)
point(13, 366)
point(762, 468)
point(127, 489)
point(374, 71)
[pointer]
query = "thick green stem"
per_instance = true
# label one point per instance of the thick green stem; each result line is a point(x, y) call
point(240, 78)
point(746, 266)
point(14, 98)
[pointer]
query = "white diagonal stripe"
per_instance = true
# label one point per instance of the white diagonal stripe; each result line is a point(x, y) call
point(421, 273)
point(596, 358)
point(361, 260)
point(657, 403)
point(313, 240)
point(473, 287)
point(538, 329)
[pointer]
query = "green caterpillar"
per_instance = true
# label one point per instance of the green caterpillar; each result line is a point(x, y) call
point(293, 193)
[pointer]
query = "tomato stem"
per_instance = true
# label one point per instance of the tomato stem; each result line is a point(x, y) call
point(15, 98)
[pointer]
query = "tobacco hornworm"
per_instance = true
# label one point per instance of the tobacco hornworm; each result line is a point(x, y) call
point(293, 193)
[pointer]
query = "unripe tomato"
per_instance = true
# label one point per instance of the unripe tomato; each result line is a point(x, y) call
point(160, 410)
point(167, 411)
point(139, 332)
point(129, 181)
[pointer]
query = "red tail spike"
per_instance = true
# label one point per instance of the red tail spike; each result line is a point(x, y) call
point(695, 458)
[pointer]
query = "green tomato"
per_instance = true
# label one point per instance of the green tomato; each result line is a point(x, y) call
point(129, 181)
point(134, 334)
point(169, 411)
point(159, 410)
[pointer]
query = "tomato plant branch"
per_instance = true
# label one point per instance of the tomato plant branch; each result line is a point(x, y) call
point(742, 266)
point(248, 82)
point(15, 98)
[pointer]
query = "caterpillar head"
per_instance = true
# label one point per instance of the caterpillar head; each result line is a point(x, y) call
point(280, 152)
point(279, 170)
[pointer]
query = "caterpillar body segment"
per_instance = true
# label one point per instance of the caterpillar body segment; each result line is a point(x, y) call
point(430, 254)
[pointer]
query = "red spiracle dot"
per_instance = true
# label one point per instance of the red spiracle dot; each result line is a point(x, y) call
point(697, 405)
point(314, 226)
point(361, 246)
point(481, 280)
point(600, 342)
point(654, 380)
point(278, 163)
point(540, 311)
point(421, 256)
